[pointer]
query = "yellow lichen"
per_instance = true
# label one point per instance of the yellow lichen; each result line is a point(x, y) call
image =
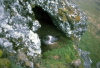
point(77, 18)
point(65, 9)
point(28, 63)
point(62, 12)
point(71, 12)
point(64, 18)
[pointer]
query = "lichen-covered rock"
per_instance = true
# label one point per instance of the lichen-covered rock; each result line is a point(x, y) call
point(65, 15)
point(16, 34)
point(18, 25)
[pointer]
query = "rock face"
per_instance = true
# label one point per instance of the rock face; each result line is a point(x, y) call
point(17, 30)
point(65, 15)
point(18, 25)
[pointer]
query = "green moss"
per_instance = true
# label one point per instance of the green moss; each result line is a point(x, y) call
point(68, 59)
point(4, 63)
point(1, 53)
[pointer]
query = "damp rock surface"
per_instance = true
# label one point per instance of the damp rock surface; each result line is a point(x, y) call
point(18, 26)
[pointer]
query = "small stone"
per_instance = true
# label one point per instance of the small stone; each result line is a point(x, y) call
point(76, 63)
point(56, 57)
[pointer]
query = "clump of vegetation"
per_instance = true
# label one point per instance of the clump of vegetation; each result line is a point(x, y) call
point(4, 63)
point(91, 46)
point(1, 53)
point(13, 65)
point(60, 58)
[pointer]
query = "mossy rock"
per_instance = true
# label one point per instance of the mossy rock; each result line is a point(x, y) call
point(62, 12)
point(5, 63)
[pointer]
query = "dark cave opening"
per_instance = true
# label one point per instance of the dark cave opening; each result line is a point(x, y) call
point(47, 28)
point(42, 16)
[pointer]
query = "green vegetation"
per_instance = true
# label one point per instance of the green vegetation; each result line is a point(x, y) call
point(91, 39)
point(13, 65)
point(92, 44)
point(1, 53)
point(61, 57)
point(4, 63)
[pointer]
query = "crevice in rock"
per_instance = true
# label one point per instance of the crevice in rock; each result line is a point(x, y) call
point(45, 20)
point(47, 28)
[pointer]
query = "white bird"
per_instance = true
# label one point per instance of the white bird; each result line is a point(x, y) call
point(49, 40)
